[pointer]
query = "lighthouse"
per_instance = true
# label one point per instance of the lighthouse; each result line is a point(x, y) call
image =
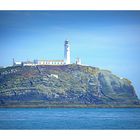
point(67, 52)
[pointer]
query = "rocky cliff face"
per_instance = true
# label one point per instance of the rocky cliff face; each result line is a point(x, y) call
point(64, 85)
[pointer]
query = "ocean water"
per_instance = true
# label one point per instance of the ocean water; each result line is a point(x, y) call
point(70, 118)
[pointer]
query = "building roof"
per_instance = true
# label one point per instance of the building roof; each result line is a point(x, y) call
point(51, 60)
point(55, 60)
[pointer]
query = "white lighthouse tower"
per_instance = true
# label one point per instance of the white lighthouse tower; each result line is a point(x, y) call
point(67, 52)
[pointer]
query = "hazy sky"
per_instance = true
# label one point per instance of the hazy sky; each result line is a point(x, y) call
point(105, 39)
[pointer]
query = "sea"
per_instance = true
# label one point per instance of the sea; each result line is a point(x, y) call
point(69, 118)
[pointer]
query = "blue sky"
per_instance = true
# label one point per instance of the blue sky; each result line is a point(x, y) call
point(105, 39)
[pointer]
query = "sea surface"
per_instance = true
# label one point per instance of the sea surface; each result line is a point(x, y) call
point(70, 118)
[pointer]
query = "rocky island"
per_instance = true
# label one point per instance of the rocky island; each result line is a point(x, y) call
point(64, 86)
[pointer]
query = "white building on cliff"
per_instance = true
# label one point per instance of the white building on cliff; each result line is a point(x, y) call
point(66, 60)
point(67, 52)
